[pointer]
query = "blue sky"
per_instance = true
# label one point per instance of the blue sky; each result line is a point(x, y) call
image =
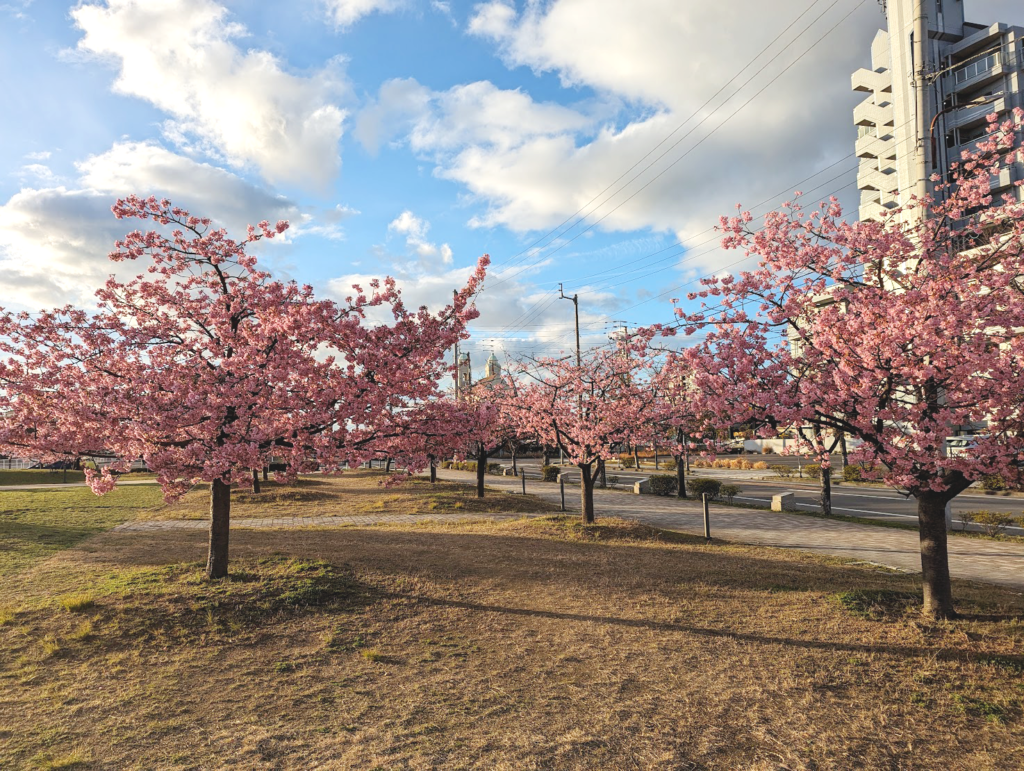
point(406, 137)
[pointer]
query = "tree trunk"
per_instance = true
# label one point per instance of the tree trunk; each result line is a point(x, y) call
point(515, 467)
point(938, 592)
point(220, 523)
point(387, 468)
point(545, 459)
point(602, 474)
point(266, 473)
point(636, 457)
point(842, 448)
point(255, 481)
point(657, 459)
point(587, 493)
point(433, 471)
point(481, 469)
point(680, 477)
point(826, 491)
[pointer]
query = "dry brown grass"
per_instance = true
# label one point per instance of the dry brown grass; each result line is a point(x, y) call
point(525, 645)
point(351, 493)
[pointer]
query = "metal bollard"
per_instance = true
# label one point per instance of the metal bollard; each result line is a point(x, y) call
point(561, 486)
point(707, 517)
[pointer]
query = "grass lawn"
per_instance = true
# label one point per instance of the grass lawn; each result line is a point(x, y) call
point(38, 476)
point(530, 644)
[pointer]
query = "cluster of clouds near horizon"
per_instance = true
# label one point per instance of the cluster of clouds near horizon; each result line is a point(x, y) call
point(414, 165)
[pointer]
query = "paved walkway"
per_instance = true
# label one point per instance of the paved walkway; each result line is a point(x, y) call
point(974, 559)
point(969, 558)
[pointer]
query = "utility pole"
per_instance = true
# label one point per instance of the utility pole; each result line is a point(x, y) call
point(576, 305)
point(922, 119)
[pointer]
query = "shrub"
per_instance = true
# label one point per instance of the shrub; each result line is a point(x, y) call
point(670, 464)
point(663, 484)
point(446, 464)
point(493, 468)
point(992, 522)
point(783, 471)
point(729, 492)
point(812, 470)
point(760, 465)
point(966, 518)
point(993, 483)
point(549, 473)
point(852, 474)
point(701, 464)
point(627, 461)
point(699, 486)
point(767, 451)
point(613, 480)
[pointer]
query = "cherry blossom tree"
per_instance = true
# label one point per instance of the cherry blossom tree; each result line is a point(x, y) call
point(585, 410)
point(206, 367)
point(899, 333)
point(679, 414)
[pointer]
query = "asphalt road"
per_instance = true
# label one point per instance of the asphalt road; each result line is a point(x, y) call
point(854, 501)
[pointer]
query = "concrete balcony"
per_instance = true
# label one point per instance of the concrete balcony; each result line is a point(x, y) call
point(871, 81)
point(868, 113)
point(872, 210)
point(980, 71)
point(970, 115)
point(870, 178)
point(870, 146)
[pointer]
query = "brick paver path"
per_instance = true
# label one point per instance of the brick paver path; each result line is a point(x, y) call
point(969, 558)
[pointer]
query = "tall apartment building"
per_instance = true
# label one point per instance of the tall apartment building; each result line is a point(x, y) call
point(970, 70)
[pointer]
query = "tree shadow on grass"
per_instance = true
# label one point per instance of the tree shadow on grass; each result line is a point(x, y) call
point(945, 654)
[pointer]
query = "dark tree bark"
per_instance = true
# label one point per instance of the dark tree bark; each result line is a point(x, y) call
point(266, 473)
point(657, 459)
point(587, 492)
point(515, 468)
point(842, 448)
point(387, 468)
point(602, 474)
point(825, 481)
point(220, 523)
point(546, 458)
point(481, 469)
point(636, 458)
point(255, 481)
point(938, 592)
point(680, 477)
point(433, 471)
point(682, 462)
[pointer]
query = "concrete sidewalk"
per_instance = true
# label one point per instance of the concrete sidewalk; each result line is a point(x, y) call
point(973, 559)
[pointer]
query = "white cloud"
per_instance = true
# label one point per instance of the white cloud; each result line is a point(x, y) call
point(345, 13)
point(42, 155)
point(180, 55)
point(39, 172)
point(326, 223)
point(54, 241)
point(415, 231)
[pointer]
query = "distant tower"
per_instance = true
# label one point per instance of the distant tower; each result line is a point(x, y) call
point(465, 374)
point(493, 368)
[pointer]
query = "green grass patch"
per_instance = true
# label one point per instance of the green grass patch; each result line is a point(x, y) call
point(178, 604)
point(877, 604)
point(76, 603)
point(35, 524)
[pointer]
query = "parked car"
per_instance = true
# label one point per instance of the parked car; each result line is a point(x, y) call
point(730, 447)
